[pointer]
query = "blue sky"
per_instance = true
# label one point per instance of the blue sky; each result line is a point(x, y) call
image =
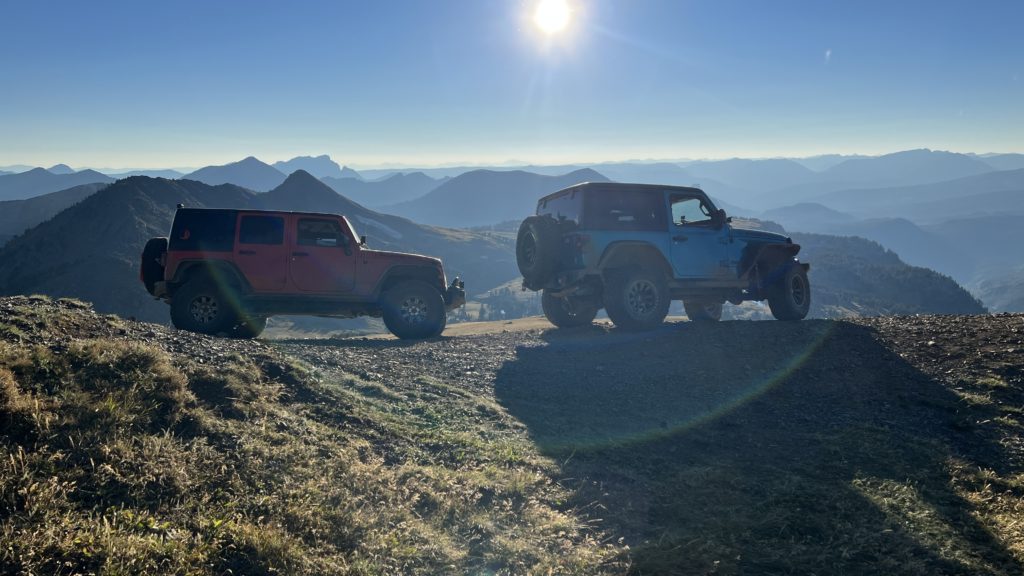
point(189, 83)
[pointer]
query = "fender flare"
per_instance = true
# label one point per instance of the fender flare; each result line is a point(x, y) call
point(765, 263)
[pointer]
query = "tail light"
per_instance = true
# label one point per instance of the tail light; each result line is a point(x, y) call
point(580, 242)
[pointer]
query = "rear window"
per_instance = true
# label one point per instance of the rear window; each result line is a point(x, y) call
point(565, 208)
point(261, 230)
point(625, 210)
point(203, 230)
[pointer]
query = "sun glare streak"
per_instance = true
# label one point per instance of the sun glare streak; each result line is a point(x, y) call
point(552, 16)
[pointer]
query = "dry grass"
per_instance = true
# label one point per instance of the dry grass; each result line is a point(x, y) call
point(121, 458)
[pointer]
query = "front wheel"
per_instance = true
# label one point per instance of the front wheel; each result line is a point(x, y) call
point(698, 311)
point(568, 312)
point(790, 298)
point(413, 309)
point(636, 299)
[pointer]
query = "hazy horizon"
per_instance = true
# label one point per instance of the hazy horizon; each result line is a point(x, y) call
point(467, 164)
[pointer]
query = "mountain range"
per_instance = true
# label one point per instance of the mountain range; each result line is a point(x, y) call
point(248, 173)
point(320, 166)
point(483, 197)
point(393, 189)
point(954, 213)
point(16, 216)
point(38, 181)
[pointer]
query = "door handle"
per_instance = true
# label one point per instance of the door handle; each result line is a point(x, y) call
point(247, 252)
point(679, 238)
point(300, 253)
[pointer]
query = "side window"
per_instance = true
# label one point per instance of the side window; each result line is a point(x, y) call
point(625, 210)
point(317, 232)
point(261, 230)
point(686, 211)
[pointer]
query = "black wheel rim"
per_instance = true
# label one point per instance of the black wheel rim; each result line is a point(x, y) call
point(204, 309)
point(641, 298)
point(413, 310)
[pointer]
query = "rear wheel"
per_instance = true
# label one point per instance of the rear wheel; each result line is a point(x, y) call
point(702, 311)
point(199, 306)
point(790, 298)
point(413, 309)
point(568, 312)
point(636, 299)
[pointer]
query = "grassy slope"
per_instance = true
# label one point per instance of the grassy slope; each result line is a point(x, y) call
point(193, 455)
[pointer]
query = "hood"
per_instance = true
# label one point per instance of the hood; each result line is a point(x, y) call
point(402, 257)
point(760, 236)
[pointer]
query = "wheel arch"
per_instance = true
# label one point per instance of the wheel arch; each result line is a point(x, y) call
point(628, 254)
point(221, 272)
point(401, 273)
point(767, 258)
point(764, 264)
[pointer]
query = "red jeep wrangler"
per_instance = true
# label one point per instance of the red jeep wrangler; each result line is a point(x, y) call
point(227, 271)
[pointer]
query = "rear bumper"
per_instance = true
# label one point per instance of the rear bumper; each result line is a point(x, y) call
point(455, 295)
point(160, 290)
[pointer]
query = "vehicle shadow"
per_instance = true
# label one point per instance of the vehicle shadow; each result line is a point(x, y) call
point(758, 448)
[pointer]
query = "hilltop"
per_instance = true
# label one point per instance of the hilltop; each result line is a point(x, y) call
point(887, 445)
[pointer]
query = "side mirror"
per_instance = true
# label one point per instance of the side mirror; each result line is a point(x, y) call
point(720, 218)
point(362, 240)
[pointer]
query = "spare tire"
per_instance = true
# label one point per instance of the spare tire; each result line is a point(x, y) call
point(151, 270)
point(537, 247)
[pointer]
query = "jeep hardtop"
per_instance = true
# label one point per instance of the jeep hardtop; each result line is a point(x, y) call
point(633, 248)
point(227, 271)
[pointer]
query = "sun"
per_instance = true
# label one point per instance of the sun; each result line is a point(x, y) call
point(552, 16)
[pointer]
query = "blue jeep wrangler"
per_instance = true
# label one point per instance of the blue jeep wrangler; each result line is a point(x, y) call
point(633, 248)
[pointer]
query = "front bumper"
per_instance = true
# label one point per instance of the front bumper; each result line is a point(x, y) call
point(455, 295)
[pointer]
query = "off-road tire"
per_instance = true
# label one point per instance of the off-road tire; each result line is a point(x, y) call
point(568, 312)
point(636, 299)
point(537, 249)
point(200, 306)
point(702, 311)
point(413, 309)
point(151, 269)
point(248, 326)
point(790, 297)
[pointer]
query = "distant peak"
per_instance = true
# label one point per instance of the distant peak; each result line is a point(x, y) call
point(301, 175)
point(60, 169)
